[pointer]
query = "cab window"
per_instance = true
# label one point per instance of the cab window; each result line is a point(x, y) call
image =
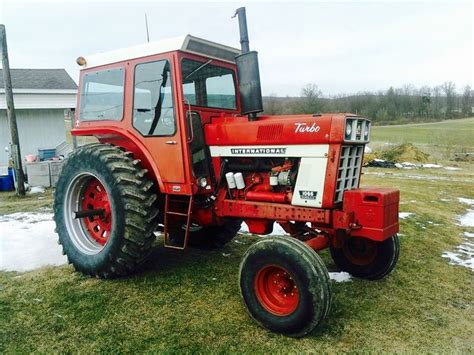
point(208, 85)
point(101, 95)
point(153, 109)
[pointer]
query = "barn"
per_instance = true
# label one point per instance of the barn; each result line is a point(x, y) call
point(41, 97)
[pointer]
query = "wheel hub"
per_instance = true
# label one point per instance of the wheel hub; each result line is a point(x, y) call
point(360, 251)
point(95, 198)
point(276, 290)
point(87, 197)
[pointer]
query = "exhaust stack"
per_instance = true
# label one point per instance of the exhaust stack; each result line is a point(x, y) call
point(248, 72)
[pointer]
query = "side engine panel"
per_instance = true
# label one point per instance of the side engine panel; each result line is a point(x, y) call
point(282, 174)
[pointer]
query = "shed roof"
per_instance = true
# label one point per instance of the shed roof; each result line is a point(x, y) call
point(49, 79)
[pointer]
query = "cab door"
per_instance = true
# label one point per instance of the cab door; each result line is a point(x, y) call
point(154, 116)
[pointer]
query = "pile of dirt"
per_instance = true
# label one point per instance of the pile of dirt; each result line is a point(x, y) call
point(399, 154)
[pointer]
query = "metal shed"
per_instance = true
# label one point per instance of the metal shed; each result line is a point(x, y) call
point(41, 97)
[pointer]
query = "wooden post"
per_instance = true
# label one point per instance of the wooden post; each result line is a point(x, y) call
point(7, 80)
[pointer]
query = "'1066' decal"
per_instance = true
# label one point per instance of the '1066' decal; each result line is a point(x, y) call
point(308, 195)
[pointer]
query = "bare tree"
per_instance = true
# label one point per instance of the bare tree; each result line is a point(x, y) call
point(449, 90)
point(466, 105)
point(310, 99)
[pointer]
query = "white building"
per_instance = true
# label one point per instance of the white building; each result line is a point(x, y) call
point(41, 97)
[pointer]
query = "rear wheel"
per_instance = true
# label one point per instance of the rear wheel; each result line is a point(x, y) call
point(105, 211)
point(285, 285)
point(365, 258)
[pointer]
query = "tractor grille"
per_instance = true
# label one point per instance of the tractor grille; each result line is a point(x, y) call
point(349, 169)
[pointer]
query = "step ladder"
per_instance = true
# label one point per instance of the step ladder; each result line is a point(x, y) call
point(169, 203)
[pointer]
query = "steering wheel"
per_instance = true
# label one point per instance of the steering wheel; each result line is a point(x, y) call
point(166, 119)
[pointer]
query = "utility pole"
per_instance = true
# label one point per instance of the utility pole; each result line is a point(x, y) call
point(7, 80)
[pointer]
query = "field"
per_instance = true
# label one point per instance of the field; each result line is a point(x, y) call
point(443, 138)
point(189, 301)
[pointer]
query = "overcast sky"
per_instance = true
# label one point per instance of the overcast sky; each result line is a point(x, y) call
point(343, 47)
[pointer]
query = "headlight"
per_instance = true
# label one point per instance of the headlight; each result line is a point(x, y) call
point(348, 129)
point(367, 130)
point(202, 182)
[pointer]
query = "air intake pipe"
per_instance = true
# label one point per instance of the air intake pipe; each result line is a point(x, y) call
point(248, 72)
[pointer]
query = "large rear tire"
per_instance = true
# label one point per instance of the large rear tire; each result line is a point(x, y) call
point(285, 286)
point(368, 259)
point(115, 242)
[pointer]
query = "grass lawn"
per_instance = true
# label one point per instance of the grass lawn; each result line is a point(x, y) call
point(189, 301)
point(447, 137)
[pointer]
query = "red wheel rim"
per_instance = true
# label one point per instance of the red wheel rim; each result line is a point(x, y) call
point(276, 290)
point(360, 251)
point(95, 197)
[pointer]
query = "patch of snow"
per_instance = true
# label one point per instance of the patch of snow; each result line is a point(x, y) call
point(244, 228)
point(467, 220)
point(403, 215)
point(445, 199)
point(277, 229)
point(367, 149)
point(431, 166)
point(463, 255)
point(380, 160)
point(37, 190)
point(28, 242)
point(340, 276)
point(410, 165)
point(467, 201)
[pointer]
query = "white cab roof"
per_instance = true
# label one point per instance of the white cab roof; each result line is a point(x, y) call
point(185, 43)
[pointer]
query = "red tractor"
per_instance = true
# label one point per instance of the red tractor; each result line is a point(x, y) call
point(182, 148)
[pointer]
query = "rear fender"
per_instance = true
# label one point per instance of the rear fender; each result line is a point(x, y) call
point(129, 142)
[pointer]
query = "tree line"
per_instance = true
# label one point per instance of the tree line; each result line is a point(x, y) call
point(395, 105)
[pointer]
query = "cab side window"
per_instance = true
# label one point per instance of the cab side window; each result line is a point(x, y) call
point(101, 95)
point(153, 109)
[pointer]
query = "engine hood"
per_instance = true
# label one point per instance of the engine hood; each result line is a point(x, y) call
point(284, 129)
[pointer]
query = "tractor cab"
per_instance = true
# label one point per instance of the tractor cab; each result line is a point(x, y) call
point(155, 98)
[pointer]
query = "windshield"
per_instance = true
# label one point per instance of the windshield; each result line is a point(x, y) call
point(208, 85)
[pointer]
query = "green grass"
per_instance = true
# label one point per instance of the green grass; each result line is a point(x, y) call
point(189, 301)
point(454, 134)
point(10, 202)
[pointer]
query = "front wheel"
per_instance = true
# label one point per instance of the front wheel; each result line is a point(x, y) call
point(368, 259)
point(285, 286)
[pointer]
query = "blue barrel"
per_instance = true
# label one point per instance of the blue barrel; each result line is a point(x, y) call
point(11, 173)
point(6, 183)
